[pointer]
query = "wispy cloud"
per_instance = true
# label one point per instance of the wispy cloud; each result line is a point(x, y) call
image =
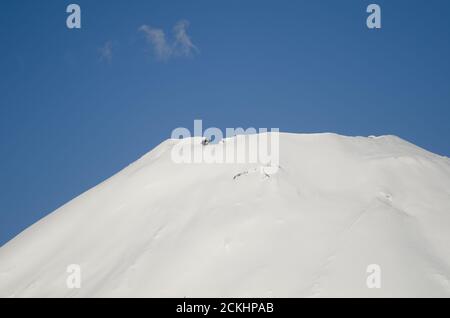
point(106, 52)
point(158, 39)
point(183, 44)
point(180, 46)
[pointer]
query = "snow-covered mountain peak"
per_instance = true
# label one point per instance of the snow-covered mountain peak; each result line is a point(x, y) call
point(335, 206)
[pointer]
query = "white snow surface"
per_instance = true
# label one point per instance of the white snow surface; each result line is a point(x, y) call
point(161, 229)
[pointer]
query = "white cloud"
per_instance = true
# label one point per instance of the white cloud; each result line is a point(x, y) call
point(157, 38)
point(106, 52)
point(181, 46)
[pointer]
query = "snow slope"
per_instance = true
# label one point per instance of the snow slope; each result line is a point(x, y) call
point(336, 205)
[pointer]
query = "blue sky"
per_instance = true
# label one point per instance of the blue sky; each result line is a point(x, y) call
point(72, 114)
